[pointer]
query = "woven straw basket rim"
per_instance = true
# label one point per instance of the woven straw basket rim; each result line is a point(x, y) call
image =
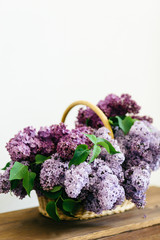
point(82, 214)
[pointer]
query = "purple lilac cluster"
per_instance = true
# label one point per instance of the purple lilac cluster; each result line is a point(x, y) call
point(140, 144)
point(104, 183)
point(23, 145)
point(47, 141)
point(143, 118)
point(95, 184)
point(5, 184)
point(141, 147)
point(27, 143)
point(112, 106)
point(136, 184)
point(67, 144)
point(52, 172)
point(77, 178)
point(104, 191)
point(98, 185)
point(113, 161)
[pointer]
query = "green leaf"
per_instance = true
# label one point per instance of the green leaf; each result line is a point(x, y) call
point(56, 189)
point(91, 137)
point(6, 166)
point(107, 145)
point(126, 123)
point(52, 195)
point(71, 206)
point(96, 152)
point(123, 122)
point(110, 121)
point(28, 181)
point(51, 209)
point(87, 121)
point(18, 171)
point(80, 155)
point(60, 206)
point(39, 159)
point(113, 121)
point(14, 183)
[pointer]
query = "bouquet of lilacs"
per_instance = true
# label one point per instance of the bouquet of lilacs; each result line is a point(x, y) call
point(85, 167)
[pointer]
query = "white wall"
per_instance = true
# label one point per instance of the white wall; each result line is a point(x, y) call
point(55, 52)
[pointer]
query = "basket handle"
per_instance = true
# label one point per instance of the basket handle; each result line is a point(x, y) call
point(96, 109)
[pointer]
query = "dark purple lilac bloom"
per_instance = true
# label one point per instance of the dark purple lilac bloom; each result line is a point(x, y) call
point(112, 106)
point(58, 131)
point(143, 118)
point(50, 136)
point(68, 144)
point(47, 146)
point(24, 145)
point(54, 132)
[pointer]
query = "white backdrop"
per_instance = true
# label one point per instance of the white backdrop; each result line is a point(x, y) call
point(56, 52)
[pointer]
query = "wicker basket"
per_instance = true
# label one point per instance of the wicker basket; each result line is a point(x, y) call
point(82, 214)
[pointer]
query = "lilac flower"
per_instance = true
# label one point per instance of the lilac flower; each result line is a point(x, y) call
point(5, 184)
point(143, 118)
point(80, 131)
point(112, 106)
point(91, 203)
point(136, 184)
point(110, 193)
point(117, 158)
point(99, 170)
point(47, 147)
point(113, 161)
point(19, 191)
point(52, 172)
point(68, 144)
point(76, 178)
point(103, 132)
point(54, 132)
point(27, 143)
point(58, 131)
point(118, 106)
point(140, 144)
point(45, 132)
point(104, 191)
point(24, 145)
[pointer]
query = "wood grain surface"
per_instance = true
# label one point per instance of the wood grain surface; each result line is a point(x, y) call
point(29, 224)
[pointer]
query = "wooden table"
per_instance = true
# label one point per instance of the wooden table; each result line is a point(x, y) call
point(29, 224)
